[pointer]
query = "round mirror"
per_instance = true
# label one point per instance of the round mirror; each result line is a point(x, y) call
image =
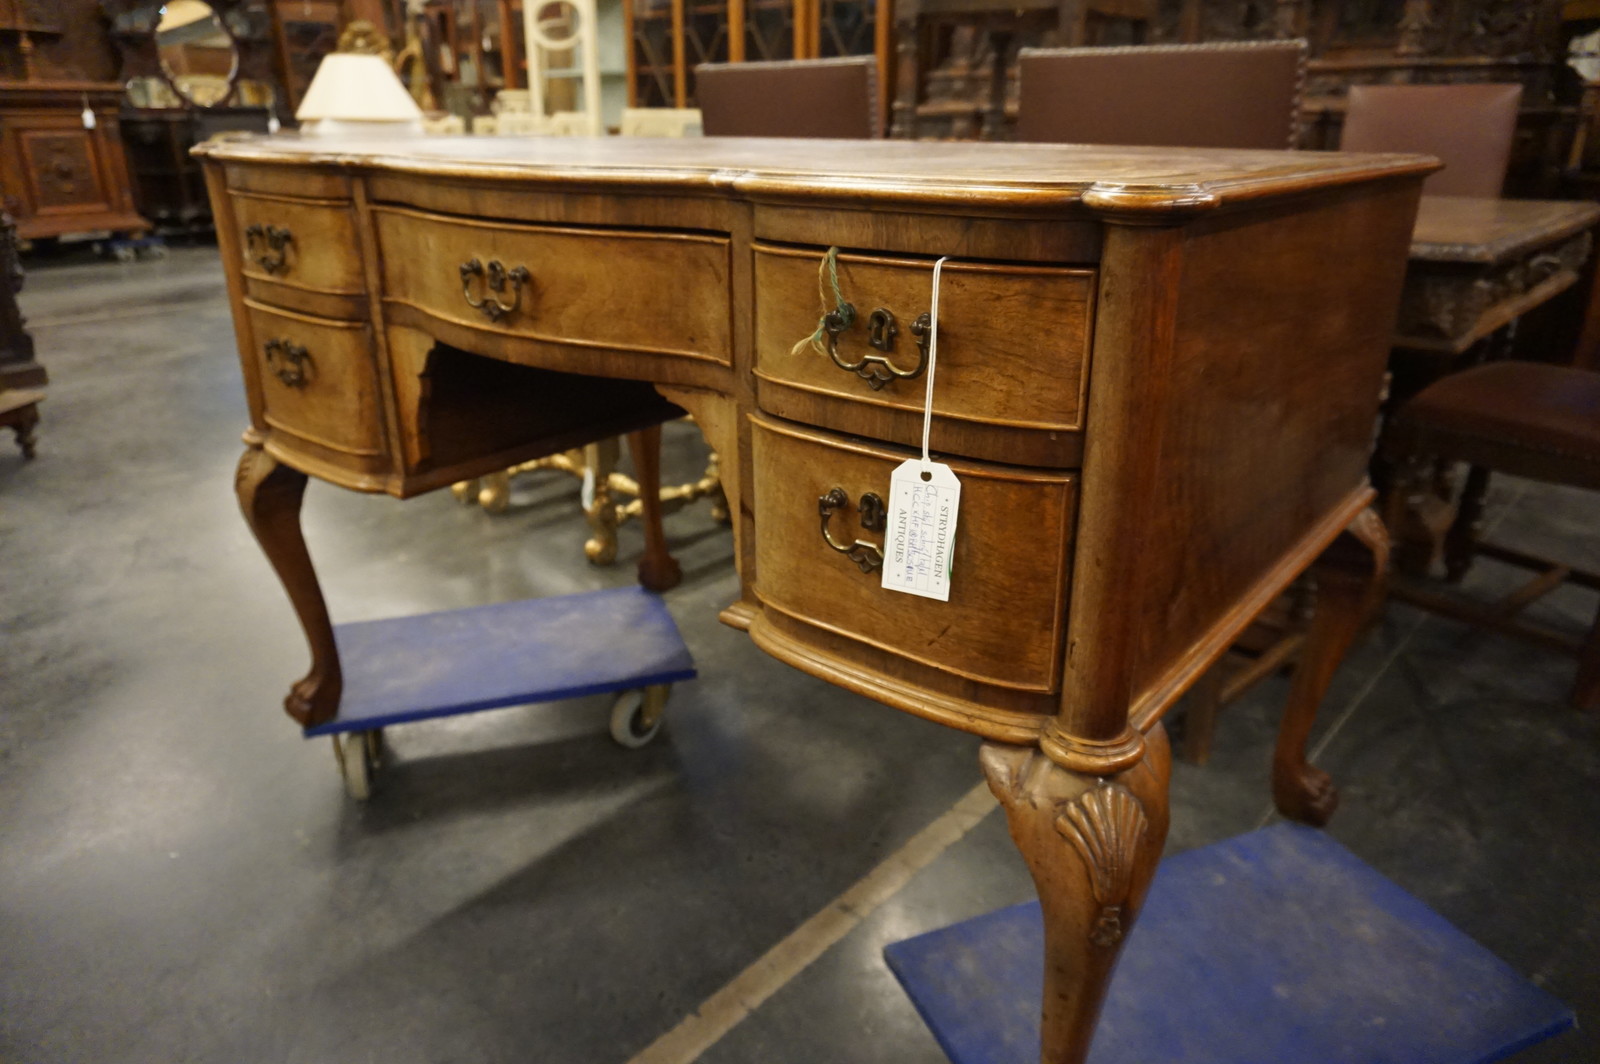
point(198, 53)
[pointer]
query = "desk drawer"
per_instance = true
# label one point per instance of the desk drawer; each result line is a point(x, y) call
point(1005, 620)
point(1013, 352)
point(622, 290)
point(301, 254)
point(318, 382)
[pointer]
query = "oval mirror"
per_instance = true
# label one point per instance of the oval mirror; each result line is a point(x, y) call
point(198, 53)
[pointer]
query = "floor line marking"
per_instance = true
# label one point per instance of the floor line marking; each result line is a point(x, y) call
point(723, 1011)
point(117, 315)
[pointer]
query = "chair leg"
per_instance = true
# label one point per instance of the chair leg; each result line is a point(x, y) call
point(658, 569)
point(1461, 542)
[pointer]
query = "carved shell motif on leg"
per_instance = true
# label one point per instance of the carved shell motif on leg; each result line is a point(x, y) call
point(1106, 825)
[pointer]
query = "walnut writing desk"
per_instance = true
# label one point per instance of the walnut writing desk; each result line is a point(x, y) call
point(1158, 377)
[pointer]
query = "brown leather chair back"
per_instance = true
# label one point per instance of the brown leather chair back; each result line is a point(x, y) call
point(1469, 127)
point(790, 98)
point(1224, 95)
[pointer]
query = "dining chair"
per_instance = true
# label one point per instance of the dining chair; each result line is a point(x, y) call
point(835, 98)
point(1528, 419)
point(1232, 94)
point(1470, 129)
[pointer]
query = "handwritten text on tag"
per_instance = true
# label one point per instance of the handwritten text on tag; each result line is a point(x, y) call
point(919, 544)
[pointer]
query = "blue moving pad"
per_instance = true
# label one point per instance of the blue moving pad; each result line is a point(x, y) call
point(1276, 947)
point(537, 650)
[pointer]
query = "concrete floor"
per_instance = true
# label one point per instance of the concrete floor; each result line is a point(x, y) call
point(182, 878)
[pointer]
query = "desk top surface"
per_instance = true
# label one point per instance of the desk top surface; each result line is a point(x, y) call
point(1034, 177)
point(1468, 229)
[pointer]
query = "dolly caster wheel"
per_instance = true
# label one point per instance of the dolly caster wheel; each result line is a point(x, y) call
point(636, 715)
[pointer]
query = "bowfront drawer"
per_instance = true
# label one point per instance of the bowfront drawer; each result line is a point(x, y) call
point(658, 292)
point(318, 384)
point(1004, 622)
point(1012, 360)
point(301, 253)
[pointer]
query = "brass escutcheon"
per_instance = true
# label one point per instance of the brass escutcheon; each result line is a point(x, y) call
point(288, 361)
point(268, 246)
point(877, 370)
point(867, 556)
point(493, 280)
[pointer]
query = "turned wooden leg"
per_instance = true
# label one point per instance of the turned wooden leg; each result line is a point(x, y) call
point(270, 494)
point(658, 569)
point(601, 460)
point(1092, 844)
point(1461, 541)
point(1350, 575)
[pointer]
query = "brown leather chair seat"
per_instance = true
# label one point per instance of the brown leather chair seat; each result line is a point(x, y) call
point(1524, 418)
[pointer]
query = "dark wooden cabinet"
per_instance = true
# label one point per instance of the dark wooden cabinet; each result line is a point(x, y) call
point(59, 175)
point(168, 185)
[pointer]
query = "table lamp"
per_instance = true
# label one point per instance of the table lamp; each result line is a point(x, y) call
point(357, 94)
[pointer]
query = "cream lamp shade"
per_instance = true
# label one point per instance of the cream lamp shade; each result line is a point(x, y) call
point(357, 95)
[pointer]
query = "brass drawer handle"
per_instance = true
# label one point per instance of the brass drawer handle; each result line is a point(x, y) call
point(268, 246)
point(877, 370)
point(868, 556)
point(492, 282)
point(288, 361)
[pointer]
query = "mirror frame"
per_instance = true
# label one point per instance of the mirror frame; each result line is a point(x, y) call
point(220, 13)
point(248, 23)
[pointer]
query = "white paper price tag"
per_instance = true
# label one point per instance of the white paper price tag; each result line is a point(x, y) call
point(919, 543)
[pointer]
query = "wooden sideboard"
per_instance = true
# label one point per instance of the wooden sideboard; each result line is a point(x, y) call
point(59, 176)
point(1157, 378)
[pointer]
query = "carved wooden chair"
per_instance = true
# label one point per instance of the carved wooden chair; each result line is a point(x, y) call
point(1234, 94)
point(835, 98)
point(1470, 128)
point(1528, 419)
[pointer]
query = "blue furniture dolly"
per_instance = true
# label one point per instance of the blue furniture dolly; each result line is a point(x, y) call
point(515, 653)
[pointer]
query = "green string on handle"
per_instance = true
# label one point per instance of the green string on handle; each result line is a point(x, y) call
point(843, 314)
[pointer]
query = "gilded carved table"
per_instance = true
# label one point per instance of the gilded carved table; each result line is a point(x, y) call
point(1157, 377)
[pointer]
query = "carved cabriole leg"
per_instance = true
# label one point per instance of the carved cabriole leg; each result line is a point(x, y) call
point(1350, 575)
point(269, 494)
point(658, 569)
point(1092, 844)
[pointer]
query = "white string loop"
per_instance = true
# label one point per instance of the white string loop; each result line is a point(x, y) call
point(933, 361)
